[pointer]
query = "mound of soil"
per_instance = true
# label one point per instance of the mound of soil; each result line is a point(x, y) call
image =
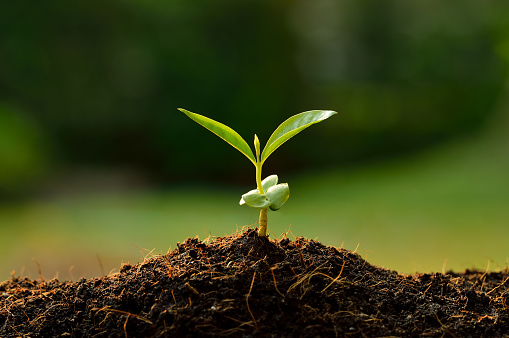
point(245, 286)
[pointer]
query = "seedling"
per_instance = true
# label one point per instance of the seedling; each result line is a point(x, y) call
point(268, 194)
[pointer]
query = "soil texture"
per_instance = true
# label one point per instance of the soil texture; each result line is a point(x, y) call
point(242, 285)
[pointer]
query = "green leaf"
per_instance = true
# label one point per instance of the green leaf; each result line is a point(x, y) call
point(269, 181)
point(224, 132)
point(257, 147)
point(293, 126)
point(254, 199)
point(278, 195)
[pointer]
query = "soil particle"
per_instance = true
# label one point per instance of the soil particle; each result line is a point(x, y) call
point(245, 286)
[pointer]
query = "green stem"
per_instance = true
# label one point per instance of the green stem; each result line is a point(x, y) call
point(259, 178)
point(262, 221)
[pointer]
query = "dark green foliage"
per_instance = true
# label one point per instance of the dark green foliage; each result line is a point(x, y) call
point(102, 79)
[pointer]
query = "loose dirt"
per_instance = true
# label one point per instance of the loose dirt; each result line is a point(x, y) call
point(245, 286)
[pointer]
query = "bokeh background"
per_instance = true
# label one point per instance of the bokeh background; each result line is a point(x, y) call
point(97, 166)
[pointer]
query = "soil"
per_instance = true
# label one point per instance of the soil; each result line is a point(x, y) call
point(245, 286)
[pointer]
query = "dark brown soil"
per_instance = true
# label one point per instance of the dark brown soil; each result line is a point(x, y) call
point(245, 286)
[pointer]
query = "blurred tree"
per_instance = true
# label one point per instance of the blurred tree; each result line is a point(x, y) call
point(23, 151)
point(104, 79)
point(406, 75)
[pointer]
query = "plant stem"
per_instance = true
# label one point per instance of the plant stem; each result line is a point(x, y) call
point(259, 178)
point(262, 221)
point(262, 232)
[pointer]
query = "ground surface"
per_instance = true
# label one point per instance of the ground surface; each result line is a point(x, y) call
point(245, 286)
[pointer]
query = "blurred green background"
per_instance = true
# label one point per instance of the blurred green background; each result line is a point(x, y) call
point(97, 167)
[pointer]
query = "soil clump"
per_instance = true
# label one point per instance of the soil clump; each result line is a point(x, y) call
point(245, 286)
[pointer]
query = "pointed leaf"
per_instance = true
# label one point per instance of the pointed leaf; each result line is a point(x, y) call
point(268, 182)
point(254, 199)
point(293, 126)
point(278, 195)
point(257, 147)
point(224, 132)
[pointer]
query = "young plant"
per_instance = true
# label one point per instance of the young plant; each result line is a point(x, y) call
point(268, 194)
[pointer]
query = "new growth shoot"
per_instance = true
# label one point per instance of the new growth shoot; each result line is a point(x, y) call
point(268, 193)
